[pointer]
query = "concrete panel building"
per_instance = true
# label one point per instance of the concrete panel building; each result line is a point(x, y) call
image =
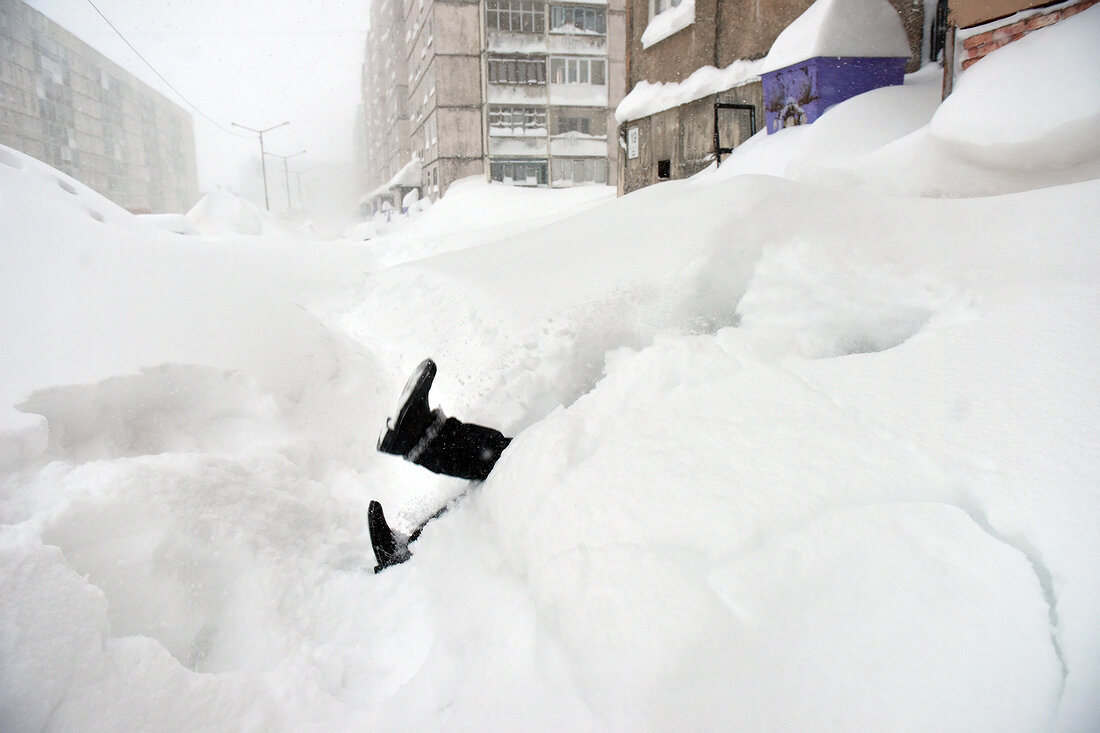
point(69, 106)
point(679, 141)
point(385, 120)
point(520, 91)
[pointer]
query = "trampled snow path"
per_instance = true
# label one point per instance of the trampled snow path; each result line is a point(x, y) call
point(791, 454)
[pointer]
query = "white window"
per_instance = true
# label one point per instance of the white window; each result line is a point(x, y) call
point(578, 71)
point(507, 118)
point(659, 6)
point(577, 19)
point(517, 70)
point(515, 16)
point(574, 124)
point(519, 172)
point(580, 170)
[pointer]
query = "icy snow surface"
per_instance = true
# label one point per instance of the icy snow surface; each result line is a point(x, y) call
point(795, 451)
point(860, 28)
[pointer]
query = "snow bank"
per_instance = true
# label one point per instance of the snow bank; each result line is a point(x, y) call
point(796, 450)
point(870, 28)
point(646, 99)
point(177, 223)
point(1001, 111)
point(221, 213)
point(474, 211)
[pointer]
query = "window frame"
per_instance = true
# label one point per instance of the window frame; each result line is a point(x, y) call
point(576, 70)
point(541, 166)
point(563, 19)
point(516, 70)
point(515, 16)
point(531, 117)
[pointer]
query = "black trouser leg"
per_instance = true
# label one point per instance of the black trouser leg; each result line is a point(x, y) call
point(463, 450)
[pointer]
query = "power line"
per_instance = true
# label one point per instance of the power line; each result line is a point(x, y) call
point(160, 76)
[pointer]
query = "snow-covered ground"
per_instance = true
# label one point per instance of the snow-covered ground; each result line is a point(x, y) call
point(807, 442)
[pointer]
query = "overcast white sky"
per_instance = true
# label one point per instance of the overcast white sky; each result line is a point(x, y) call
point(254, 62)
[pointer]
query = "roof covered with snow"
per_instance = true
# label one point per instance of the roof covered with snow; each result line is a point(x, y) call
point(409, 175)
point(859, 28)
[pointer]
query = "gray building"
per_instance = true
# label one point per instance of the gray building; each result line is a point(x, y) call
point(520, 91)
point(384, 134)
point(67, 105)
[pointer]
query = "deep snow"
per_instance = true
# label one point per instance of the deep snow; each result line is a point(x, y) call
point(804, 443)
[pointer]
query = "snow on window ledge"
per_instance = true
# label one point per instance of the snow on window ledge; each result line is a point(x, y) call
point(663, 25)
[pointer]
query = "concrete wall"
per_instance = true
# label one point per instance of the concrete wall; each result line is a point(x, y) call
point(67, 105)
point(684, 136)
point(446, 99)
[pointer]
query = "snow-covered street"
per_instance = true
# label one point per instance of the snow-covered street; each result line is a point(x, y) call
point(805, 442)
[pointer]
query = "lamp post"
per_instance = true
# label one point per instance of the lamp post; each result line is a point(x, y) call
point(263, 164)
point(286, 175)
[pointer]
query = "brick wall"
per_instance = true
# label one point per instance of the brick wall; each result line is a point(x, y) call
point(976, 47)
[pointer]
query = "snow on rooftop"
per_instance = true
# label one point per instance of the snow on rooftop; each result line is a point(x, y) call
point(859, 28)
point(409, 175)
point(646, 98)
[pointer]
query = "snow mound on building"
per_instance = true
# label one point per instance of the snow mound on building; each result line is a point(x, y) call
point(1034, 103)
point(860, 28)
point(646, 98)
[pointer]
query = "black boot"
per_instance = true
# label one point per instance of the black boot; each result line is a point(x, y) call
point(414, 416)
point(387, 550)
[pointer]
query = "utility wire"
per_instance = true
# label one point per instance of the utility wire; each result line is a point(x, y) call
point(160, 76)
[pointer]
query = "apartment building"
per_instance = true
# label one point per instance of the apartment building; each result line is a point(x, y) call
point(69, 106)
point(384, 131)
point(520, 91)
point(553, 74)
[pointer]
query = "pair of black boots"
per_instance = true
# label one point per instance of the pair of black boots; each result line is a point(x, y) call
point(439, 443)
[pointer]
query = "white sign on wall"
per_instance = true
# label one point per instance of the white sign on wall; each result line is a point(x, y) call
point(631, 142)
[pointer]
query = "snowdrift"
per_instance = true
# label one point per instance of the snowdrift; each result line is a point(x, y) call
point(794, 451)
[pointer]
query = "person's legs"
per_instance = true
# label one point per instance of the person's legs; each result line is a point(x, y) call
point(463, 450)
point(439, 443)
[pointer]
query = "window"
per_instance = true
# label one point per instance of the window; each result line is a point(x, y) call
point(574, 124)
point(518, 70)
point(508, 118)
point(521, 172)
point(664, 169)
point(573, 19)
point(660, 6)
point(580, 170)
point(578, 71)
point(515, 16)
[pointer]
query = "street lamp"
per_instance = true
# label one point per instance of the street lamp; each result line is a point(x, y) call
point(263, 164)
point(286, 175)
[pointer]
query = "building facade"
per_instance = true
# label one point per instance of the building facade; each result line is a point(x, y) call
point(681, 140)
point(520, 91)
point(384, 134)
point(67, 105)
point(552, 75)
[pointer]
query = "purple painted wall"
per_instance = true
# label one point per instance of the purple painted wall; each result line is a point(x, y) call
point(800, 93)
